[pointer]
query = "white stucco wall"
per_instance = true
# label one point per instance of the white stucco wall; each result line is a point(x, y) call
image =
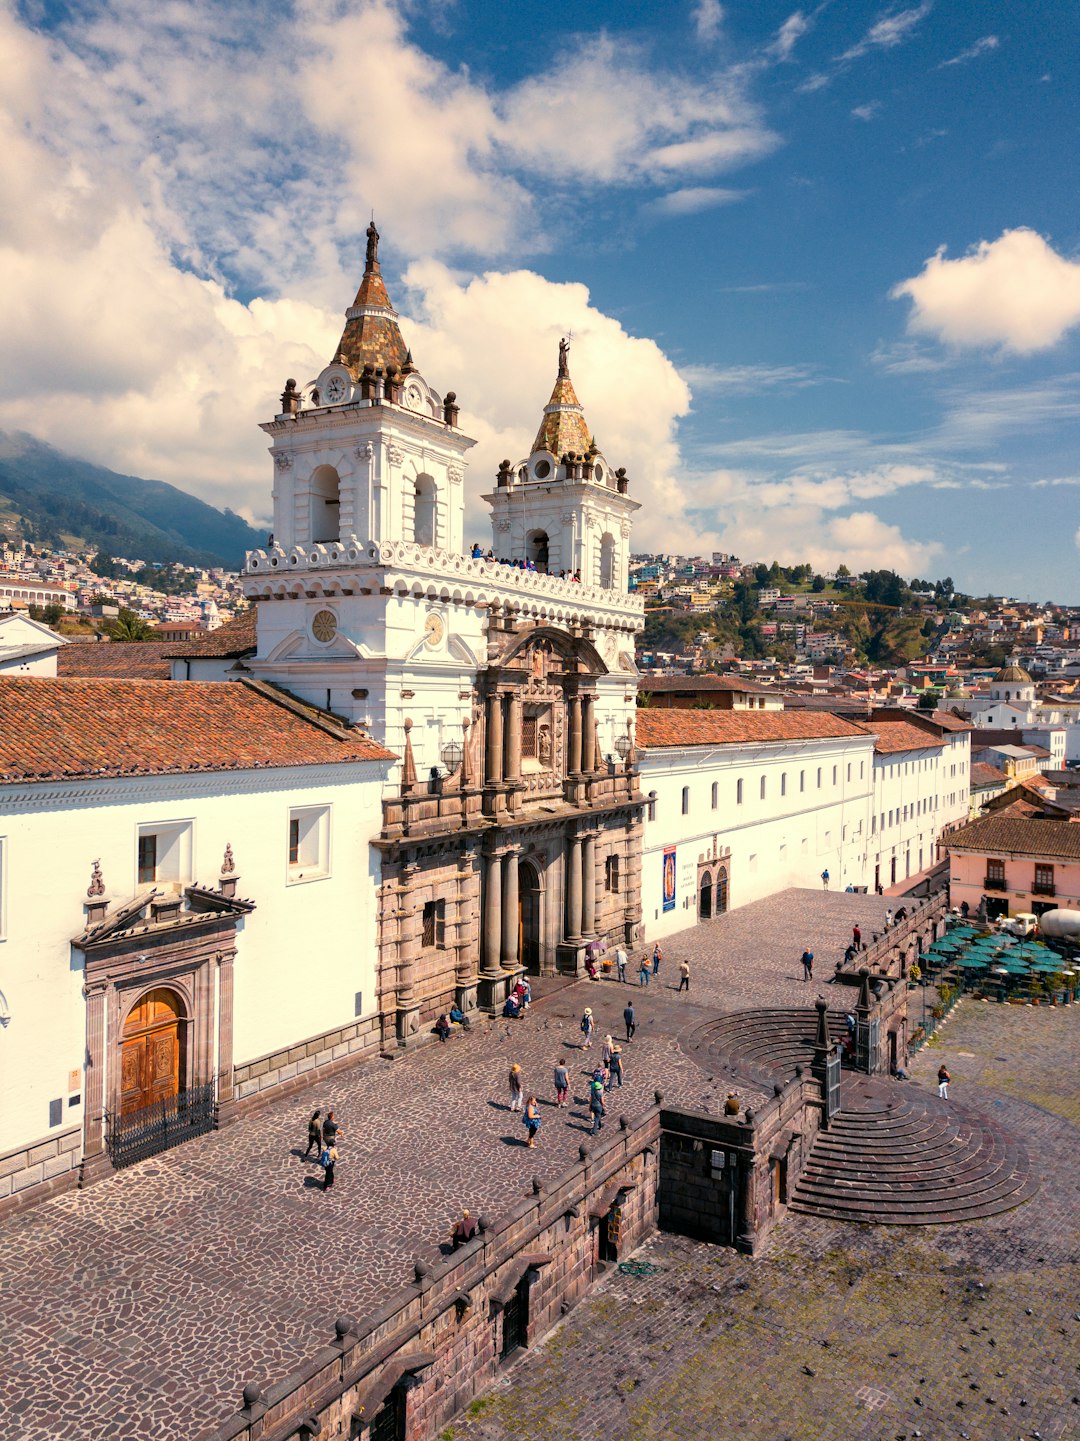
point(302, 955)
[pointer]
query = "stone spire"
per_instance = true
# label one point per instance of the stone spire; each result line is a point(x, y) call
point(371, 335)
point(563, 429)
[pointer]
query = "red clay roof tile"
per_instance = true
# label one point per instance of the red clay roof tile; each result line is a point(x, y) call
point(659, 728)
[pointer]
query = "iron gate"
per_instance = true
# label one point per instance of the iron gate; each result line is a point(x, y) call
point(515, 1319)
point(388, 1423)
point(867, 1045)
point(160, 1126)
point(832, 1085)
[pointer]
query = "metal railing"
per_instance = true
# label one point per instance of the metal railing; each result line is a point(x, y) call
point(136, 1135)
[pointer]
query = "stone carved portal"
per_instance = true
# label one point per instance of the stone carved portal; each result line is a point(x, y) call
point(530, 916)
point(712, 883)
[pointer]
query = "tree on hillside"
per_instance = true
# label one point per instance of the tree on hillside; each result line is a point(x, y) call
point(818, 584)
point(842, 570)
point(128, 626)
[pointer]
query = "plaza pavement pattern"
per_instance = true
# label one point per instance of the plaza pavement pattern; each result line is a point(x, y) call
point(143, 1305)
point(845, 1332)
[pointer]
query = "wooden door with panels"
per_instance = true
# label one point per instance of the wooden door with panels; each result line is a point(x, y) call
point(152, 1058)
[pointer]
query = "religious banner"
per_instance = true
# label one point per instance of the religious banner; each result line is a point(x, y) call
point(669, 878)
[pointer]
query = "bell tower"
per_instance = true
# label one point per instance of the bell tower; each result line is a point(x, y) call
point(564, 508)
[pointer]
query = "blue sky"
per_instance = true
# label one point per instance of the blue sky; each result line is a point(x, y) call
point(821, 265)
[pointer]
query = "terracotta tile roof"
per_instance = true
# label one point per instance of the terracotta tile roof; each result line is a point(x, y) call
point(116, 659)
point(949, 721)
point(373, 340)
point(703, 682)
point(986, 775)
point(69, 729)
point(235, 638)
point(1011, 836)
point(658, 728)
point(896, 736)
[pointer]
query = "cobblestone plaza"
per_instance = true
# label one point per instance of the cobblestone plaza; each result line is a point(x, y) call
point(143, 1305)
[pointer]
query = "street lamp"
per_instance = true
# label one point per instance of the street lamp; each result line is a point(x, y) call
point(622, 746)
point(451, 755)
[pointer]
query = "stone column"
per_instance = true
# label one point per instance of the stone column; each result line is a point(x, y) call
point(588, 733)
point(573, 889)
point(467, 934)
point(588, 888)
point(574, 762)
point(510, 916)
point(512, 753)
point(96, 1163)
point(226, 1100)
point(494, 740)
point(492, 920)
point(410, 934)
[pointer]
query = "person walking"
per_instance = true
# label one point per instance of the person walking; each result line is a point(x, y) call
point(943, 1079)
point(532, 1120)
point(630, 1020)
point(615, 1071)
point(657, 957)
point(608, 1047)
point(596, 1104)
point(684, 975)
point(644, 971)
point(825, 880)
point(588, 1025)
point(562, 1083)
point(807, 959)
point(620, 962)
point(856, 938)
point(515, 1087)
point(330, 1129)
point(888, 918)
point(314, 1135)
point(328, 1160)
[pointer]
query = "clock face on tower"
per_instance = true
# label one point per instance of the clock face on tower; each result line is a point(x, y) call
point(335, 390)
point(414, 397)
point(434, 630)
point(324, 626)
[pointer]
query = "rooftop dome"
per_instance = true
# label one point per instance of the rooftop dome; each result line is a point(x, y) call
point(958, 693)
point(1014, 673)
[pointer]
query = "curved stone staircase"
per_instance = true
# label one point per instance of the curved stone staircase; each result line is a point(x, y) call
point(896, 1154)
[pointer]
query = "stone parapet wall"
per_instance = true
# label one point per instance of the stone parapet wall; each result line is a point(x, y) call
point(440, 1340)
point(293, 1067)
point(44, 1168)
point(893, 950)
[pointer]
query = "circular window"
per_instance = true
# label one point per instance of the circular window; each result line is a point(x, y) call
point(324, 626)
point(542, 469)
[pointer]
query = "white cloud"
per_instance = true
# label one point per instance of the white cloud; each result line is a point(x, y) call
point(1015, 293)
point(1058, 480)
point(988, 42)
point(891, 30)
point(906, 357)
point(708, 16)
point(789, 35)
point(747, 379)
point(693, 199)
point(867, 111)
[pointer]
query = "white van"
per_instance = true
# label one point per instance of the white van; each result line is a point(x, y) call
point(1024, 924)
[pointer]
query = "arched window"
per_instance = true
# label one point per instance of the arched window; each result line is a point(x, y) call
point(738, 793)
point(761, 788)
point(325, 504)
point(607, 562)
point(715, 794)
point(536, 549)
point(686, 800)
point(783, 783)
point(425, 510)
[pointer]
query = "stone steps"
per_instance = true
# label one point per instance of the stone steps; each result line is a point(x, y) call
point(910, 1159)
point(763, 1045)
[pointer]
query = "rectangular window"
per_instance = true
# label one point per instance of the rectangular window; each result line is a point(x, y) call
point(873, 825)
point(834, 775)
point(612, 878)
point(819, 777)
point(147, 859)
point(761, 789)
point(163, 853)
point(738, 793)
point(528, 737)
point(849, 770)
point(715, 794)
point(434, 933)
point(686, 800)
point(1044, 881)
point(308, 843)
point(862, 770)
point(995, 873)
point(783, 783)
point(802, 780)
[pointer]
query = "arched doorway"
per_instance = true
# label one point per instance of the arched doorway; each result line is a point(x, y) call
point(607, 562)
point(425, 511)
point(705, 897)
point(721, 891)
point(537, 548)
point(153, 1051)
point(530, 912)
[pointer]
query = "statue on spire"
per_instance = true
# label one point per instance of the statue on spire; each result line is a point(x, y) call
point(371, 262)
point(564, 357)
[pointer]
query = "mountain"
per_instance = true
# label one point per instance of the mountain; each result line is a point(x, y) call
point(54, 499)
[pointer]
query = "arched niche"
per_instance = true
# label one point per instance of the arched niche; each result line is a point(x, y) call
point(608, 561)
point(325, 504)
point(537, 547)
point(425, 511)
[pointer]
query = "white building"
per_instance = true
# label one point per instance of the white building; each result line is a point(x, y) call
point(1013, 704)
point(134, 816)
point(27, 647)
point(742, 804)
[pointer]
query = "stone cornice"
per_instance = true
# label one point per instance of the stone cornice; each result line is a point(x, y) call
point(316, 428)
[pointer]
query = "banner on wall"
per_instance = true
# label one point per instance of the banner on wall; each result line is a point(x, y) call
point(669, 878)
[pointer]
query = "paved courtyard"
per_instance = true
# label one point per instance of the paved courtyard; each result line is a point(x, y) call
point(840, 1332)
point(143, 1305)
